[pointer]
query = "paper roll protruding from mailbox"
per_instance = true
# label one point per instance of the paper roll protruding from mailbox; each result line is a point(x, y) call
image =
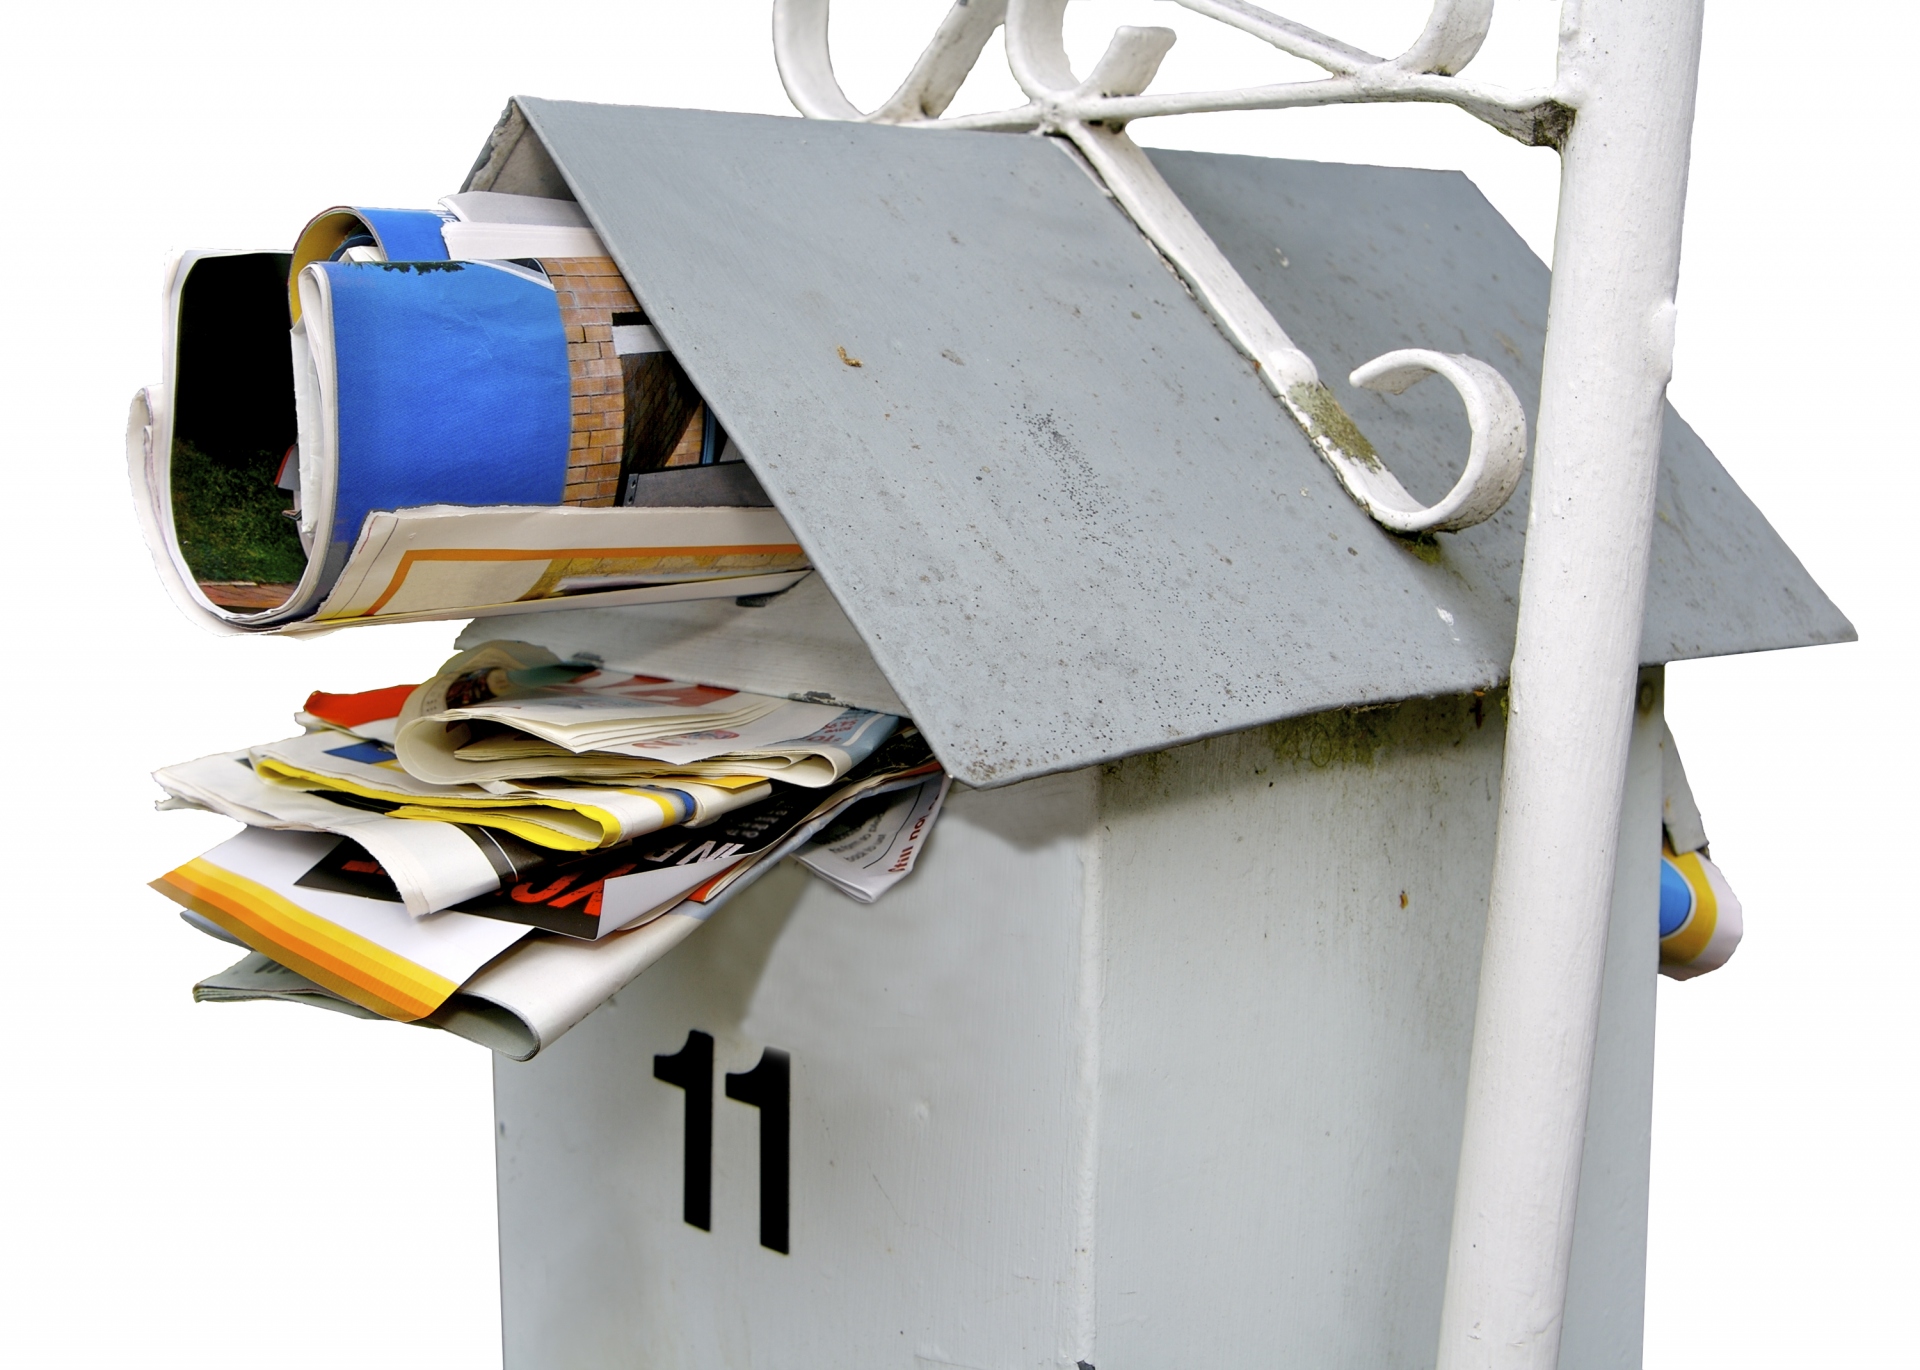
point(1700, 918)
point(432, 436)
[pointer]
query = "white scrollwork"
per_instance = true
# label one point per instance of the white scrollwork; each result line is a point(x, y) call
point(805, 59)
point(1093, 113)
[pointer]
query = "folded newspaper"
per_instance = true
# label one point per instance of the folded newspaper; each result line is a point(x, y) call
point(517, 968)
point(509, 710)
point(345, 775)
point(570, 817)
point(387, 425)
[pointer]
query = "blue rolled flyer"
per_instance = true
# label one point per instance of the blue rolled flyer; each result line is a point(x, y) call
point(425, 414)
point(449, 386)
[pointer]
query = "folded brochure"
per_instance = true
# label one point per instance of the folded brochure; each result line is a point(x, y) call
point(871, 846)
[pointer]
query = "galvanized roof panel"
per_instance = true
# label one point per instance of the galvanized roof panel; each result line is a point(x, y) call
point(1059, 509)
point(1355, 261)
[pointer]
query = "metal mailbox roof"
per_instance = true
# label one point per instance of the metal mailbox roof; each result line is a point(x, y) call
point(1058, 508)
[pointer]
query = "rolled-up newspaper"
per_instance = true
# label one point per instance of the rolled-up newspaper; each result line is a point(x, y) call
point(342, 435)
point(1700, 916)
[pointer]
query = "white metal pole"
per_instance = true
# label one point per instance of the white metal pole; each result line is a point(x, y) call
point(1629, 68)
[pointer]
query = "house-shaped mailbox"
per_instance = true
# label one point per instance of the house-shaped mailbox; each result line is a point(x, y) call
point(1158, 1059)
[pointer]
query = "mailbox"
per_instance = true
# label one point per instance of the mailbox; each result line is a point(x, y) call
point(1159, 1056)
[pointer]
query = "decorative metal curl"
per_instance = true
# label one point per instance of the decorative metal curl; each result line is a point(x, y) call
point(1093, 113)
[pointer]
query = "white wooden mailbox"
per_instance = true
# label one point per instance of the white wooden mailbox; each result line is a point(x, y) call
point(1158, 1059)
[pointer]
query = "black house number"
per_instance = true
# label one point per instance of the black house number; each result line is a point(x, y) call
point(766, 1087)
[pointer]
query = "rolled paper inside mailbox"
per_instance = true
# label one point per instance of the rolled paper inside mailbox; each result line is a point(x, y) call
point(331, 474)
point(1700, 919)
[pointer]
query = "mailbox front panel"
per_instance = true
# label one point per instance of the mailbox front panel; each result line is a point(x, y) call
point(933, 1091)
point(1153, 1065)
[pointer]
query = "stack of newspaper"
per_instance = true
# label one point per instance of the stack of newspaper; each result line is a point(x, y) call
point(499, 849)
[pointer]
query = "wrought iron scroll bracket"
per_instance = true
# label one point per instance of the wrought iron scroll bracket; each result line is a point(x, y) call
point(1093, 113)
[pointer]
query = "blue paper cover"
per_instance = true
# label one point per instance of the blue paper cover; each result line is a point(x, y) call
point(407, 235)
point(452, 387)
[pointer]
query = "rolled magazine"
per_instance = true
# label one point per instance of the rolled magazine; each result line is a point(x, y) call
point(1701, 920)
point(380, 426)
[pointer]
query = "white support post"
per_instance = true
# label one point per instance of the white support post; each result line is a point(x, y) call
point(1627, 74)
point(1629, 68)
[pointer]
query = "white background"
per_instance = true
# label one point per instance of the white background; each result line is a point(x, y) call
point(235, 1186)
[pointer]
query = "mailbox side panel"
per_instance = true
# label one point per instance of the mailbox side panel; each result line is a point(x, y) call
point(935, 1090)
point(1293, 922)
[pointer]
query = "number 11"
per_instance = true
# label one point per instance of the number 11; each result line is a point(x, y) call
point(767, 1087)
